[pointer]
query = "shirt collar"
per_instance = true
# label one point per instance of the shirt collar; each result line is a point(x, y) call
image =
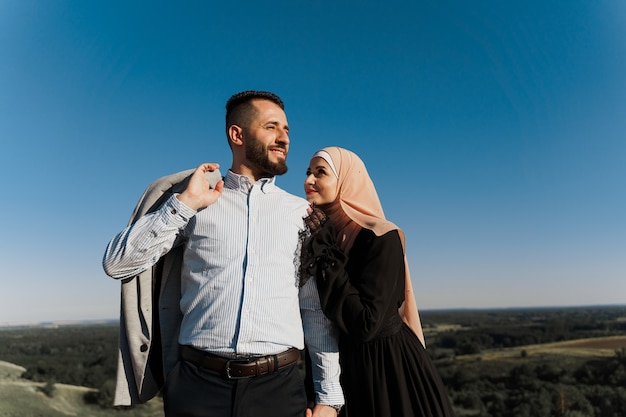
point(242, 183)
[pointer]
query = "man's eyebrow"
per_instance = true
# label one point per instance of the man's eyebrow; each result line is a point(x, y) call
point(275, 123)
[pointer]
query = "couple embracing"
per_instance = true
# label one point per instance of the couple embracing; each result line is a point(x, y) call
point(225, 280)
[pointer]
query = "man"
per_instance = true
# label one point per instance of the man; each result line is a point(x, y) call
point(239, 317)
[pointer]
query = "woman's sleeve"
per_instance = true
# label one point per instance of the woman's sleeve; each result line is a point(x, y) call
point(358, 305)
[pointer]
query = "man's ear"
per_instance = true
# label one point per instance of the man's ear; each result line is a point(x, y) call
point(235, 135)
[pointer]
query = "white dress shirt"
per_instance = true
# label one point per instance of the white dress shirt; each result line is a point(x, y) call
point(239, 283)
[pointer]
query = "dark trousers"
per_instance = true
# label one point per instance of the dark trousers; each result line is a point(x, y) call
point(192, 391)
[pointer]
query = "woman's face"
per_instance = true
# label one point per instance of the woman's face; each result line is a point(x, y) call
point(320, 184)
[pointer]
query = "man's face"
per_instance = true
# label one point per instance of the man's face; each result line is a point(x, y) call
point(266, 140)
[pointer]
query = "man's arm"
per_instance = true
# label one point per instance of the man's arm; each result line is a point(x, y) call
point(140, 245)
point(321, 338)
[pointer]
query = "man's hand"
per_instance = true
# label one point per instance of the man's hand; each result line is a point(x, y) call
point(321, 410)
point(198, 193)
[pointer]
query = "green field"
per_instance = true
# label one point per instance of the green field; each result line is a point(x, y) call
point(512, 362)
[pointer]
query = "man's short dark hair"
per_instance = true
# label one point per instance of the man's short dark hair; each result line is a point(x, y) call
point(239, 108)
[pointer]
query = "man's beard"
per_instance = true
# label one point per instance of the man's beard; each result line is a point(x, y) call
point(257, 156)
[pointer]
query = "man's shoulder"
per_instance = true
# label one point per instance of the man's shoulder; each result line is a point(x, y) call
point(166, 181)
point(180, 178)
point(292, 198)
point(158, 191)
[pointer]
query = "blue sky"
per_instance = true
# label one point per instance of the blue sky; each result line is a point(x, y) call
point(494, 131)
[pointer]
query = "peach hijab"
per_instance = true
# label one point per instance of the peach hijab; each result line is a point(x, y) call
point(358, 199)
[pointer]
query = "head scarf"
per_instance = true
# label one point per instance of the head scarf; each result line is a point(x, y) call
point(356, 195)
point(357, 206)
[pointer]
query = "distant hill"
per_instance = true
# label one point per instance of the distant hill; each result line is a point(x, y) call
point(21, 397)
point(57, 324)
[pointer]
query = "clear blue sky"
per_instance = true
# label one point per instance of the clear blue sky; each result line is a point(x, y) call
point(494, 131)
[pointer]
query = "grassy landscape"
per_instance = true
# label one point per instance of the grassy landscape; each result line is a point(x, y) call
point(533, 362)
point(21, 397)
point(64, 371)
point(567, 362)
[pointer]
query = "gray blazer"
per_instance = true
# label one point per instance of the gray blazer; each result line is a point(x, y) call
point(150, 313)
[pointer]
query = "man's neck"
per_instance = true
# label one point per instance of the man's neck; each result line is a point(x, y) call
point(246, 171)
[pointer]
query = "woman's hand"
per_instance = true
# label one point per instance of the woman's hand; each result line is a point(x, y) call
point(316, 219)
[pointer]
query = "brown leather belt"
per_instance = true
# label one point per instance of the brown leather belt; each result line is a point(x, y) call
point(240, 368)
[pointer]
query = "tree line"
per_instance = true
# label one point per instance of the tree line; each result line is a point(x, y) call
point(522, 387)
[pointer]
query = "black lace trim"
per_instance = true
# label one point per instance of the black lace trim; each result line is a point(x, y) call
point(305, 257)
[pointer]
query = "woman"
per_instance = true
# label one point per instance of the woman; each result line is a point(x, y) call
point(357, 258)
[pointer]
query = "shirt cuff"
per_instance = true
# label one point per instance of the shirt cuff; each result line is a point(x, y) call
point(175, 212)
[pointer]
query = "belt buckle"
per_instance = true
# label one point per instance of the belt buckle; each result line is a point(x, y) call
point(227, 369)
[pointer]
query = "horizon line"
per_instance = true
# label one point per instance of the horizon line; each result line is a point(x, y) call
point(78, 322)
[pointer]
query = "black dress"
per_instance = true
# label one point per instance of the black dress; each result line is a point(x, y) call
point(385, 369)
